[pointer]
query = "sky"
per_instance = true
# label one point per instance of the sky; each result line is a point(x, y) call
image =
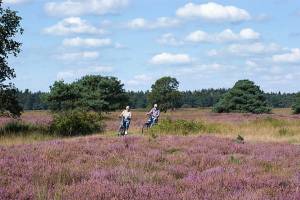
point(204, 44)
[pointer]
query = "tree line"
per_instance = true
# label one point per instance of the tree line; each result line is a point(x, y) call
point(139, 99)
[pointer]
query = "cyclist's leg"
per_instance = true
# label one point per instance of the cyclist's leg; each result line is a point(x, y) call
point(127, 124)
point(152, 121)
point(122, 127)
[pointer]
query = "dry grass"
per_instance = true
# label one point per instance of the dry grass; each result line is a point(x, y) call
point(25, 139)
point(281, 126)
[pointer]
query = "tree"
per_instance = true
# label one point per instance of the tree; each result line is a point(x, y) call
point(9, 27)
point(138, 99)
point(296, 105)
point(165, 93)
point(96, 93)
point(244, 97)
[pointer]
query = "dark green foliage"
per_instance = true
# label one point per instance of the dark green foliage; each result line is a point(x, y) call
point(165, 93)
point(32, 100)
point(244, 97)
point(296, 105)
point(190, 99)
point(280, 100)
point(9, 101)
point(138, 99)
point(10, 26)
point(63, 96)
point(74, 122)
point(202, 98)
point(96, 93)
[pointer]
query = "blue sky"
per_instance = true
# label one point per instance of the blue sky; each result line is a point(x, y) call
point(204, 44)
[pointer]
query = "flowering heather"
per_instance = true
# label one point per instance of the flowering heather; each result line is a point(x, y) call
point(138, 168)
point(34, 117)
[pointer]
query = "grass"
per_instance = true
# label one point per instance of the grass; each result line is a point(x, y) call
point(281, 126)
point(28, 138)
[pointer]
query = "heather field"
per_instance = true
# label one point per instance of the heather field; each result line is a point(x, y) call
point(168, 167)
point(205, 163)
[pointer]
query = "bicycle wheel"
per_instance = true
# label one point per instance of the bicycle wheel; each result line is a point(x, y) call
point(121, 131)
point(145, 127)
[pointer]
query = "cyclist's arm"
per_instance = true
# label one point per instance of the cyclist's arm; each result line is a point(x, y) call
point(150, 112)
point(122, 114)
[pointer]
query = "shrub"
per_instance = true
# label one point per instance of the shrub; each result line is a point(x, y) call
point(244, 97)
point(70, 123)
point(182, 127)
point(296, 105)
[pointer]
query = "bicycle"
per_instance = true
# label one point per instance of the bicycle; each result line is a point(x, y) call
point(124, 126)
point(152, 121)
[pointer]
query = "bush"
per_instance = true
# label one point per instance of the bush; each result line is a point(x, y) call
point(244, 97)
point(296, 106)
point(71, 123)
point(182, 127)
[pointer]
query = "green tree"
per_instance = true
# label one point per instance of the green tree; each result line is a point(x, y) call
point(96, 93)
point(9, 28)
point(244, 97)
point(165, 93)
point(296, 105)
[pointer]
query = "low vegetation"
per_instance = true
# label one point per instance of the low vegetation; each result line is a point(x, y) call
point(170, 167)
point(16, 127)
point(72, 123)
point(183, 127)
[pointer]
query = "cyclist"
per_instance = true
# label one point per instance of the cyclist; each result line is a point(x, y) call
point(126, 119)
point(154, 115)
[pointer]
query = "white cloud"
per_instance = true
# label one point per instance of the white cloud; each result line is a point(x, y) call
point(162, 22)
point(213, 12)
point(82, 7)
point(280, 78)
point(225, 36)
point(169, 39)
point(168, 58)
point(203, 69)
point(138, 80)
point(254, 48)
point(73, 25)
point(249, 34)
point(292, 57)
point(78, 73)
point(15, 1)
point(79, 55)
point(198, 36)
point(87, 42)
point(253, 67)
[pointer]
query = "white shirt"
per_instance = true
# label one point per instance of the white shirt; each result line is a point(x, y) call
point(126, 114)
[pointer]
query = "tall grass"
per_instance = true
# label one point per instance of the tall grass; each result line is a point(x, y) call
point(184, 127)
point(18, 127)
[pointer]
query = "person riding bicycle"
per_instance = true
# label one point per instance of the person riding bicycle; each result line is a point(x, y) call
point(126, 119)
point(154, 115)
